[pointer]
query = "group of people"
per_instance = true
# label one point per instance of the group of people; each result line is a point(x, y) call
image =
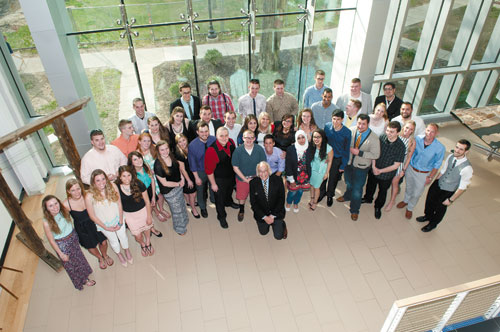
point(274, 156)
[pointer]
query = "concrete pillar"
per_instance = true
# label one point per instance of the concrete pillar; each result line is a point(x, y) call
point(359, 38)
point(48, 23)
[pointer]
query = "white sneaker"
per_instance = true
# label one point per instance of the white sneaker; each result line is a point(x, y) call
point(287, 209)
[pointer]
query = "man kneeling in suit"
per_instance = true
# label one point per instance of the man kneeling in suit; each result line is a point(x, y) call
point(267, 197)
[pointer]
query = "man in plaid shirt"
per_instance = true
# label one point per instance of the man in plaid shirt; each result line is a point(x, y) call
point(218, 101)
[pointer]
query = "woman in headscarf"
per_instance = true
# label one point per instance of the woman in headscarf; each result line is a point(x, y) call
point(298, 170)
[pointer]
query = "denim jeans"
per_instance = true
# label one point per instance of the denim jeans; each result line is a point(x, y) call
point(293, 197)
point(355, 179)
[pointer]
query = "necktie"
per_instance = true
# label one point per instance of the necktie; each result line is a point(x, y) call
point(454, 163)
point(254, 107)
point(190, 112)
point(358, 141)
point(206, 146)
point(266, 189)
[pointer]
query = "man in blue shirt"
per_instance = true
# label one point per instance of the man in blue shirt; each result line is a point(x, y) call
point(339, 138)
point(314, 93)
point(424, 164)
point(274, 155)
point(196, 158)
point(322, 110)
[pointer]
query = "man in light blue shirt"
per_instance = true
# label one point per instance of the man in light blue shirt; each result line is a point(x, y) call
point(424, 164)
point(314, 93)
point(322, 110)
point(274, 156)
point(190, 103)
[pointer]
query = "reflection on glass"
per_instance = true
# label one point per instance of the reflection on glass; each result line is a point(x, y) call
point(224, 59)
point(462, 98)
point(279, 42)
point(481, 55)
point(55, 146)
point(221, 8)
point(320, 54)
point(328, 4)
point(427, 105)
point(449, 37)
point(495, 97)
point(412, 30)
point(93, 15)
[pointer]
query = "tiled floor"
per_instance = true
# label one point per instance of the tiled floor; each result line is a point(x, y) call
point(331, 274)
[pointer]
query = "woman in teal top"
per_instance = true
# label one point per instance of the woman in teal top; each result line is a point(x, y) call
point(321, 155)
point(62, 237)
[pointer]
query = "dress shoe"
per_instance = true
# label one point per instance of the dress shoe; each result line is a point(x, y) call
point(401, 205)
point(234, 205)
point(285, 233)
point(366, 201)
point(196, 216)
point(408, 214)
point(241, 216)
point(223, 223)
point(427, 228)
point(422, 219)
point(354, 216)
point(329, 201)
point(341, 199)
point(204, 213)
point(378, 213)
point(320, 198)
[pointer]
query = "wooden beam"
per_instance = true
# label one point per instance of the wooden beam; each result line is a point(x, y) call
point(68, 145)
point(42, 122)
point(31, 238)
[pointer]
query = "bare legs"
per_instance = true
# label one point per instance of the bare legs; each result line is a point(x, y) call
point(394, 192)
point(191, 198)
point(314, 198)
point(144, 240)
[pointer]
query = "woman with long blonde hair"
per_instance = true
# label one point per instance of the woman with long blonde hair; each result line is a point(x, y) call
point(105, 209)
point(88, 235)
point(63, 239)
point(265, 127)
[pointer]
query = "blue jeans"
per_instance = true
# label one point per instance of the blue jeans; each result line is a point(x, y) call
point(355, 179)
point(293, 197)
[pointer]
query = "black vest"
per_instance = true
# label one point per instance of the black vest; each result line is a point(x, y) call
point(224, 168)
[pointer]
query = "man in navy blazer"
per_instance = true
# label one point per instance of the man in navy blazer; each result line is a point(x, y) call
point(267, 198)
point(191, 104)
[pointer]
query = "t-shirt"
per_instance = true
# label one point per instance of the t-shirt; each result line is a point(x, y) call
point(174, 175)
point(129, 204)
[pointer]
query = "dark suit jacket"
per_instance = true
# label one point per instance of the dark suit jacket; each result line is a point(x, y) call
point(196, 110)
point(394, 108)
point(216, 122)
point(262, 207)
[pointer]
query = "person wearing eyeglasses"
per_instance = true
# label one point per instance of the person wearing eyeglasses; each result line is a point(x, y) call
point(190, 103)
point(101, 156)
point(314, 93)
point(392, 102)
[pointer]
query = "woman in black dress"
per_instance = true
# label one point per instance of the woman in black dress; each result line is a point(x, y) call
point(284, 134)
point(181, 152)
point(178, 124)
point(88, 235)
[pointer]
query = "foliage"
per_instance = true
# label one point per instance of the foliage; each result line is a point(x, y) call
point(187, 70)
point(214, 57)
point(21, 38)
point(324, 46)
point(174, 89)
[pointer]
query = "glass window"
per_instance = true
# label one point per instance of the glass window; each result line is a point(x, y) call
point(428, 102)
point(93, 15)
point(328, 4)
point(219, 8)
point(278, 53)
point(449, 37)
point(320, 54)
point(495, 97)
point(481, 55)
point(462, 97)
point(410, 38)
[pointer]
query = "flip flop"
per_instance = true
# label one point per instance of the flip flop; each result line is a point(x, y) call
point(90, 283)
point(102, 264)
point(144, 251)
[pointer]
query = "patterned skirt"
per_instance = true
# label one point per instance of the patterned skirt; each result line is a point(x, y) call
point(77, 267)
point(177, 205)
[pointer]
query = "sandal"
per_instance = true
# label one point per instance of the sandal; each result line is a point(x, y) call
point(161, 217)
point(109, 260)
point(144, 251)
point(102, 264)
point(166, 214)
point(311, 206)
point(90, 283)
point(150, 249)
